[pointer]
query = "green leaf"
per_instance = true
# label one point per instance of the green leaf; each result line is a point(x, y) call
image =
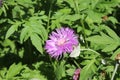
point(110, 47)
point(24, 34)
point(3, 20)
point(3, 73)
point(36, 41)
point(36, 26)
point(88, 70)
point(111, 33)
point(12, 29)
point(85, 62)
point(29, 74)
point(41, 31)
point(10, 43)
point(96, 18)
point(14, 70)
point(115, 54)
point(113, 19)
point(25, 3)
point(110, 68)
point(60, 70)
point(100, 39)
point(17, 12)
point(108, 41)
point(70, 71)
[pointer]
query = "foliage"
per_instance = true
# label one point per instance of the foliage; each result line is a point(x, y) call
point(25, 26)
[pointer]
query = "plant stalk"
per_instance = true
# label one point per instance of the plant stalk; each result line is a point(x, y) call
point(81, 21)
point(116, 67)
point(49, 15)
point(76, 64)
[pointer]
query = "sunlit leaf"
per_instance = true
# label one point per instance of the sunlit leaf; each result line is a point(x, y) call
point(36, 41)
point(115, 54)
point(60, 70)
point(24, 34)
point(12, 29)
point(14, 70)
point(88, 70)
point(111, 33)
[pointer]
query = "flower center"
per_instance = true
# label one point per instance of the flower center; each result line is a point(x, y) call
point(61, 42)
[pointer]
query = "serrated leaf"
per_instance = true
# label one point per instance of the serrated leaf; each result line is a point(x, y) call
point(12, 29)
point(87, 71)
point(99, 40)
point(37, 27)
point(73, 17)
point(14, 70)
point(70, 71)
point(24, 34)
point(106, 37)
point(3, 72)
point(60, 70)
point(110, 47)
point(113, 19)
point(85, 62)
point(42, 32)
point(96, 18)
point(109, 68)
point(107, 41)
point(36, 41)
point(111, 33)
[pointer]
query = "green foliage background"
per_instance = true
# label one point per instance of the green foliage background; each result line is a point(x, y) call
point(25, 26)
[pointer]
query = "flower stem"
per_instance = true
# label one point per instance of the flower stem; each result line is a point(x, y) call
point(116, 67)
point(76, 64)
point(84, 35)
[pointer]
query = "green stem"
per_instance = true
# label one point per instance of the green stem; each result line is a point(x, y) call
point(49, 15)
point(76, 6)
point(84, 35)
point(81, 21)
point(116, 67)
point(76, 64)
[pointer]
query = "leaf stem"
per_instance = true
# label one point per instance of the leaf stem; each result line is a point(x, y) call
point(116, 67)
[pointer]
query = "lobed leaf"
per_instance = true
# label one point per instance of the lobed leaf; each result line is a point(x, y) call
point(24, 34)
point(14, 70)
point(88, 70)
point(111, 33)
point(12, 29)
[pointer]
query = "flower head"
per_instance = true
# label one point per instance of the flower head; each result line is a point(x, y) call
point(76, 74)
point(61, 41)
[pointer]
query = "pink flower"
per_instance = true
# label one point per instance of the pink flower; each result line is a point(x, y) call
point(76, 74)
point(61, 41)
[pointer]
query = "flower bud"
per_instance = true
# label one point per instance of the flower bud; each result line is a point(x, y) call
point(76, 74)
